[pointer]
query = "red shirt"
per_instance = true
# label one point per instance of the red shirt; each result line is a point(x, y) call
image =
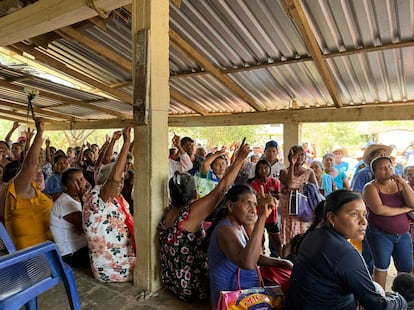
point(272, 186)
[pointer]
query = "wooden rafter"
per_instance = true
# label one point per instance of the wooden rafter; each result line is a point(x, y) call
point(73, 35)
point(200, 59)
point(51, 62)
point(296, 12)
point(41, 112)
point(363, 50)
point(28, 22)
point(65, 100)
point(177, 96)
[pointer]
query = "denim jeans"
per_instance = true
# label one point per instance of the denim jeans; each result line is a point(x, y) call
point(384, 245)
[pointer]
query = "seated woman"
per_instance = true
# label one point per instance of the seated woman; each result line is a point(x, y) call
point(183, 246)
point(329, 273)
point(27, 209)
point(66, 219)
point(231, 248)
point(107, 223)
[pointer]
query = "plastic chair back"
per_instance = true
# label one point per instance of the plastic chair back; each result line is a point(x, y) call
point(27, 273)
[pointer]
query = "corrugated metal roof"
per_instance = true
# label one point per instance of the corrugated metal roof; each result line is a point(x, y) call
point(263, 47)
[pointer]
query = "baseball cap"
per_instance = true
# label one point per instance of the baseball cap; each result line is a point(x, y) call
point(271, 143)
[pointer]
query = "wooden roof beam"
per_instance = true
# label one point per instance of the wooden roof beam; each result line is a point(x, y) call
point(363, 50)
point(28, 22)
point(375, 112)
point(22, 107)
point(73, 35)
point(177, 96)
point(296, 12)
point(6, 115)
point(65, 100)
point(51, 62)
point(91, 124)
point(227, 82)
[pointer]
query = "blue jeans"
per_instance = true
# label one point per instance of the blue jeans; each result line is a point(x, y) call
point(384, 245)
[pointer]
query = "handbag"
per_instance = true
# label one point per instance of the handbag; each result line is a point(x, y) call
point(302, 204)
point(276, 276)
point(312, 193)
point(299, 206)
point(262, 297)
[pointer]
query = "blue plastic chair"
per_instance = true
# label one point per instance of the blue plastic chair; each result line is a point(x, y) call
point(27, 273)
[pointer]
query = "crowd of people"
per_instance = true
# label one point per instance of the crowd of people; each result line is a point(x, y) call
point(221, 206)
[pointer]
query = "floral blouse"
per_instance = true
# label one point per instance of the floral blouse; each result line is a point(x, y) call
point(184, 259)
point(110, 249)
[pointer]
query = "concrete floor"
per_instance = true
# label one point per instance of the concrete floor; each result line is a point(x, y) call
point(118, 296)
point(122, 296)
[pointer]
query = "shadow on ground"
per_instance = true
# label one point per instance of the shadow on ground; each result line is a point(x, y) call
point(118, 296)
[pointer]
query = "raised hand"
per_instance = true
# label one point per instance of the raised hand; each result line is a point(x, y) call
point(176, 140)
point(243, 151)
point(267, 203)
point(29, 134)
point(126, 132)
point(40, 126)
point(16, 125)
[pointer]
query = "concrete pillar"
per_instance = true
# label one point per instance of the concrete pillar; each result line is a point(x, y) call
point(151, 104)
point(291, 136)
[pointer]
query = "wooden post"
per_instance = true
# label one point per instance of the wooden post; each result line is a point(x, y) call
point(291, 136)
point(150, 105)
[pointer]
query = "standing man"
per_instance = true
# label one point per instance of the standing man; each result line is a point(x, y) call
point(340, 165)
point(188, 145)
point(270, 153)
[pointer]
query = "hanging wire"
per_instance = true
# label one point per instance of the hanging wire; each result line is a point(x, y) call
point(31, 94)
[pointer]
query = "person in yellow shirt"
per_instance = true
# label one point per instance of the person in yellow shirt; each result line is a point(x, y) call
point(27, 209)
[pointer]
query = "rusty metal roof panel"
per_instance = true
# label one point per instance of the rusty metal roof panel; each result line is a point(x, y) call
point(117, 36)
point(286, 86)
point(210, 95)
point(376, 76)
point(117, 106)
point(348, 27)
point(238, 34)
point(81, 112)
point(177, 108)
point(85, 61)
point(77, 100)
point(12, 95)
point(344, 25)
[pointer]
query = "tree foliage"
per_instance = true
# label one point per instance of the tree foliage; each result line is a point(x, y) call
point(324, 135)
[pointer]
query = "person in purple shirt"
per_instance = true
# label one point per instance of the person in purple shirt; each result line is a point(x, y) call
point(389, 198)
point(361, 178)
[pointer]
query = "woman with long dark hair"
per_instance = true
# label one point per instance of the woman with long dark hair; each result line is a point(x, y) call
point(329, 273)
point(183, 246)
point(236, 241)
point(389, 198)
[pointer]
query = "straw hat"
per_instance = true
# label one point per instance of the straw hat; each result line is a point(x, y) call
point(372, 148)
point(338, 148)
